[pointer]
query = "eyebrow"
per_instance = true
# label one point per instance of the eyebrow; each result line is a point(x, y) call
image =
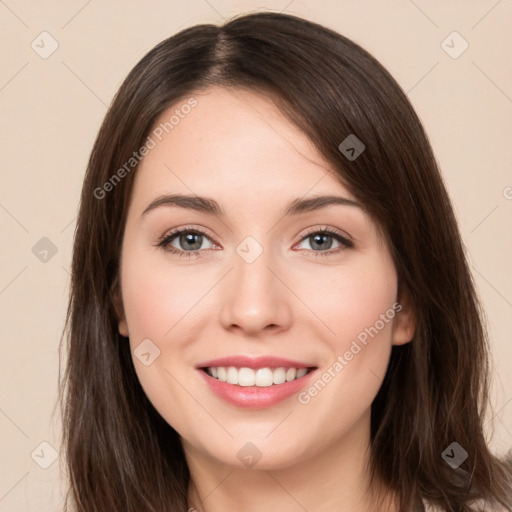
point(210, 206)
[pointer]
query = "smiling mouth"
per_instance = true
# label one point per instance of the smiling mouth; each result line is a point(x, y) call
point(261, 377)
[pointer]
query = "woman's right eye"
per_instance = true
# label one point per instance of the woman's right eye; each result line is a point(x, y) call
point(190, 240)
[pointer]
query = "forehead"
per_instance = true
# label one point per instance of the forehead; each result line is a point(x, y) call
point(234, 144)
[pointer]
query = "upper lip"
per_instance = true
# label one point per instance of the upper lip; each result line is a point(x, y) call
point(254, 362)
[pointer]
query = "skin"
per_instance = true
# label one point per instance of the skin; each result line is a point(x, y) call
point(237, 148)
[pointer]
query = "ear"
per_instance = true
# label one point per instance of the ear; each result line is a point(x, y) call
point(118, 305)
point(405, 322)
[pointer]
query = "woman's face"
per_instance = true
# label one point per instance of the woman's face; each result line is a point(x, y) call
point(224, 320)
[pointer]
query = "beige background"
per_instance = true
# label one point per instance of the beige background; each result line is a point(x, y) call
point(53, 107)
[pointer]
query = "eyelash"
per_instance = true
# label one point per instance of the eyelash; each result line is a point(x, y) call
point(165, 241)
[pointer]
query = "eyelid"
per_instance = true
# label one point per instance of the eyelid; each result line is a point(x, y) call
point(185, 229)
point(327, 229)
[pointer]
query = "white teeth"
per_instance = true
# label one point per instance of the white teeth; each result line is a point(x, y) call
point(246, 377)
point(301, 372)
point(279, 376)
point(262, 377)
point(291, 373)
point(232, 375)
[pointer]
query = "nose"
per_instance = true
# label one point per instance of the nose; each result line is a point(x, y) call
point(254, 297)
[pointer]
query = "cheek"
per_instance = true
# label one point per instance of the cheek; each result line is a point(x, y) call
point(158, 304)
point(150, 306)
point(366, 310)
point(359, 307)
point(352, 299)
point(158, 296)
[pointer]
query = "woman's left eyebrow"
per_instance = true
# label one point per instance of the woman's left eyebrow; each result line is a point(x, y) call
point(210, 206)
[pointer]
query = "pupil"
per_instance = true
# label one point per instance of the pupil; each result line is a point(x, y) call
point(189, 238)
point(318, 241)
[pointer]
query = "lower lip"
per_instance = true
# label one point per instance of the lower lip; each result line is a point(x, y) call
point(254, 397)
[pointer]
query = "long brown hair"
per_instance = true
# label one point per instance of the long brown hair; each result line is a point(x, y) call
point(121, 455)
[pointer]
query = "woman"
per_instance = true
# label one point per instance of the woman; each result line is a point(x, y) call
point(318, 345)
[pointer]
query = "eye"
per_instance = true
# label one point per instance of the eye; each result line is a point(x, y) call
point(189, 241)
point(321, 241)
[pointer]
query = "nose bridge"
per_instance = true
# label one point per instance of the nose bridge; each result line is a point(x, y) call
point(252, 262)
point(253, 296)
